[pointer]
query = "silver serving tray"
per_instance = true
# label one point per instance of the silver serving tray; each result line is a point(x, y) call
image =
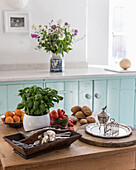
point(93, 129)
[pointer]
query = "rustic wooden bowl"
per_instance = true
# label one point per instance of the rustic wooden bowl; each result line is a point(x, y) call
point(14, 125)
point(40, 149)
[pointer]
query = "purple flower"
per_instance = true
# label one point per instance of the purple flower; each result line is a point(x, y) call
point(76, 32)
point(34, 35)
point(66, 23)
point(54, 27)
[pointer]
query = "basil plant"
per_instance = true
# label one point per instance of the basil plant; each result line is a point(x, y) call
point(37, 101)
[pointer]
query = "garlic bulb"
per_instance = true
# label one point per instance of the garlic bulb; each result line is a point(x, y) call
point(51, 132)
point(37, 142)
point(40, 137)
point(45, 139)
point(49, 135)
point(52, 135)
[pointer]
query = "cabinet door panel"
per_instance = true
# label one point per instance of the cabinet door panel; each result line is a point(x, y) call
point(13, 98)
point(127, 97)
point(31, 84)
point(100, 99)
point(85, 93)
point(3, 99)
point(113, 99)
point(70, 96)
point(59, 86)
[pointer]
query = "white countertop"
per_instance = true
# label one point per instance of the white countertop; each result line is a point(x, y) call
point(67, 74)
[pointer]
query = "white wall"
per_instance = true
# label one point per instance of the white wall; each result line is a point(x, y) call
point(98, 24)
point(16, 48)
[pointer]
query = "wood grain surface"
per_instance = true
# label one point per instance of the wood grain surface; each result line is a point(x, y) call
point(79, 156)
point(92, 140)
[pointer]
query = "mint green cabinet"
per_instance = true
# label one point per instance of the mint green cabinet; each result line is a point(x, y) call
point(9, 94)
point(3, 99)
point(69, 91)
point(127, 100)
point(85, 92)
point(31, 84)
point(59, 86)
point(113, 99)
point(121, 100)
point(100, 95)
point(70, 95)
point(118, 93)
point(12, 94)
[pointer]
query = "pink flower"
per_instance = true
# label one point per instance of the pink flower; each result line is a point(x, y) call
point(54, 27)
point(66, 23)
point(34, 35)
point(76, 32)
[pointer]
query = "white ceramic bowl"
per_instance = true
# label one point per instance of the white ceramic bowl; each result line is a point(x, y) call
point(35, 122)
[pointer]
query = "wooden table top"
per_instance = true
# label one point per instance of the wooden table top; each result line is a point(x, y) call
point(77, 151)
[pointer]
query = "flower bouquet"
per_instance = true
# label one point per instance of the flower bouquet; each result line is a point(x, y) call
point(56, 38)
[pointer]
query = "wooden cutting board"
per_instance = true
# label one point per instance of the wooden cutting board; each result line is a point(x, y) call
point(123, 142)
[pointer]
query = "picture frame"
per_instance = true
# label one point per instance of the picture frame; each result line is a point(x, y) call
point(17, 21)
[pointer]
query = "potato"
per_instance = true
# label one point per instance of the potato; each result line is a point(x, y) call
point(87, 111)
point(79, 114)
point(83, 121)
point(90, 119)
point(76, 109)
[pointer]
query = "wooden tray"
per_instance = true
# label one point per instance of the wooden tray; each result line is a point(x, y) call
point(40, 149)
point(92, 140)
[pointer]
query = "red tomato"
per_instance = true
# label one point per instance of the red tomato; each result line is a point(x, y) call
point(65, 116)
point(63, 111)
point(55, 124)
point(71, 128)
point(74, 122)
point(59, 111)
point(54, 115)
point(50, 114)
point(61, 115)
point(52, 122)
point(70, 123)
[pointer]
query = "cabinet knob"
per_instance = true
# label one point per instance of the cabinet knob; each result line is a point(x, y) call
point(88, 96)
point(97, 96)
